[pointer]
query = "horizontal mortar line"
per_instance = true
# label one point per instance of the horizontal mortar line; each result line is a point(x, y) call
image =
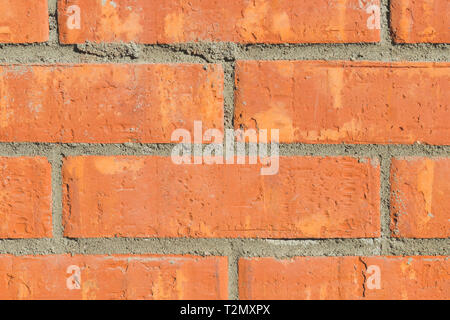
point(182, 46)
point(289, 57)
point(72, 145)
point(286, 57)
point(143, 149)
point(224, 247)
point(34, 54)
point(364, 46)
point(43, 64)
point(307, 154)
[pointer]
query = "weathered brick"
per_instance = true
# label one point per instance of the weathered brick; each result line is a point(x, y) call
point(351, 102)
point(23, 21)
point(418, 277)
point(244, 21)
point(310, 197)
point(420, 203)
point(110, 103)
point(25, 198)
point(416, 21)
point(114, 277)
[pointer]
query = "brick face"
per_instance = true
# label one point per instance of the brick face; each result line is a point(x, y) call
point(415, 21)
point(25, 198)
point(420, 205)
point(351, 102)
point(243, 21)
point(311, 197)
point(108, 103)
point(115, 277)
point(93, 92)
point(22, 23)
point(330, 278)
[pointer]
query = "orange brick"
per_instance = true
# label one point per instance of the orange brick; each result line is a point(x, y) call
point(411, 278)
point(23, 22)
point(108, 103)
point(243, 21)
point(351, 102)
point(114, 277)
point(300, 278)
point(353, 278)
point(25, 198)
point(311, 197)
point(416, 21)
point(420, 204)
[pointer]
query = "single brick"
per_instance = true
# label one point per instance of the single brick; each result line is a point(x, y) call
point(25, 198)
point(300, 278)
point(413, 278)
point(341, 101)
point(23, 22)
point(114, 277)
point(416, 21)
point(243, 21)
point(329, 278)
point(420, 203)
point(310, 197)
point(111, 103)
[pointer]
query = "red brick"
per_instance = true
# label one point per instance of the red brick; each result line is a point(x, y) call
point(23, 22)
point(108, 103)
point(311, 197)
point(329, 278)
point(25, 198)
point(114, 277)
point(244, 21)
point(351, 102)
point(420, 203)
point(416, 21)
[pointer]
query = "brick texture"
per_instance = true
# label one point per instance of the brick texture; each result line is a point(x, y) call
point(351, 102)
point(329, 278)
point(243, 21)
point(415, 21)
point(108, 103)
point(21, 22)
point(152, 197)
point(92, 93)
point(25, 198)
point(420, 204)
point(116, 277)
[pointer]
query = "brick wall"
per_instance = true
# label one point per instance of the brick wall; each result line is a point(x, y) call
point(93, 207)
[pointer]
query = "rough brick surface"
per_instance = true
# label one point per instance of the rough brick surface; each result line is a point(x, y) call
point(21, 22)
point(86, 127)
point(345, 278)
point(108, 103)
point(351, 102)
point(416, 21)
point(25, 198)
point(113, 277)
point(420, 198)
point(152, 197)
point(244, 21)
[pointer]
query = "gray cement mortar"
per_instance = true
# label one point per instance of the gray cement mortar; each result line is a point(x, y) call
point(225, 54)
